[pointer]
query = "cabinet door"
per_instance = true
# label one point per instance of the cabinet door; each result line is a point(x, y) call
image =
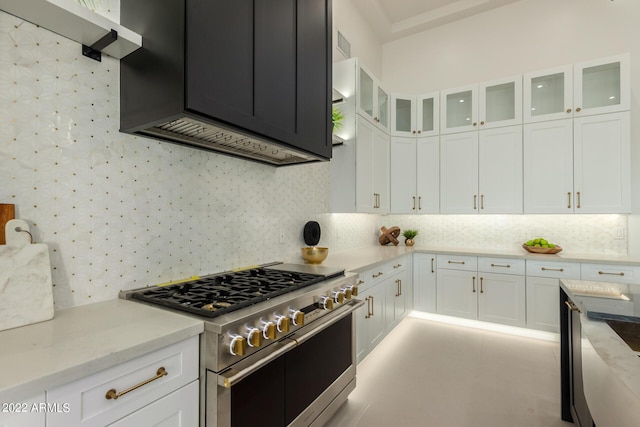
point(602, 86)
point(548, 94)
point(376, 321)
point(366, 93)
point(366, 200)
point(502, 299)
point(542, 303)
point(403, 175)
point(459, 173)
point(361, 316)
point(548, 167)
point(428, 174)
point(500, 102)
point(424, 282)
point(457, 293)
point(428, 114)
point(391, 297)
point(602, 175)
point(383, 103)
point(459, 112)
point(403, 115)
point(500, 170)
point(178, 409)
point(381, 171)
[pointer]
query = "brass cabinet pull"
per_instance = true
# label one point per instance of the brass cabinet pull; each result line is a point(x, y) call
point(397, 287)
point(400, 283)
point(420, 203)
point(371, 298)
point(368, 308)
point(414, 203)
point(475, 198)
point(482, 201)
point(551, 269)
point(501, 265)
point(611, 274)
point(377, 275)
point(432, 260)
point(482, 122)
point(475, 123)
point(481, 287)
point(113, 394)
point(578, 201)
point(578, 109)
point(572, 306)
point(569, 197)
point(473, 284)
point(455, 262)
point(397, 266)
point(568, 110)
point(360, 282)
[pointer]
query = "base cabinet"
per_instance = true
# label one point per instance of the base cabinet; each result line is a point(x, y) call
point(387, 293)
point(501, 299)
point(542, 304)
point(457, 295)
point(424, 282)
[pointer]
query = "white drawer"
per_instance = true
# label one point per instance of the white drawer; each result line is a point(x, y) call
point(501, 265)
point(86, 397)
point(555, 269)
point(457, 262)
point(611, 273)
point(398, 265)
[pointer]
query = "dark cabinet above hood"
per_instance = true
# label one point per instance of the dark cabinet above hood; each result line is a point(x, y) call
point(249, 78)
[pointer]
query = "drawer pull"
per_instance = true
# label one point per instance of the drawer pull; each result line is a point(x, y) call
point(432, 260)
point(552, 269)
point(501, 265)
point(572, 306)
point(611, 274)
point(377, 275)
point(113, 394)
point(397, 266)
point(455, 262)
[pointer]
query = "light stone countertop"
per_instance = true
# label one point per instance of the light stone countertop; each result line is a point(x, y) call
point(358, 259)
point(83, 340)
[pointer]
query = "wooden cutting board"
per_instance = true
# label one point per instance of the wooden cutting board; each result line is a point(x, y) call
point(26, 291)
point(7, 213)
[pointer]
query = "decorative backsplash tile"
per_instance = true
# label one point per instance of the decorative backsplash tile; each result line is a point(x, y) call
point(120, 212)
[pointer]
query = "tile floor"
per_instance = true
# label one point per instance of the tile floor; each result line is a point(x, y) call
point(427, 373)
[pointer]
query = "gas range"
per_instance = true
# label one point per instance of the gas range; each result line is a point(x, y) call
point(272, 315)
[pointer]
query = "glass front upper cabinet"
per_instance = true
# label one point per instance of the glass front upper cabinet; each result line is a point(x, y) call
point(459, 109)
point(372, 99)
point(593, 87)
point(500, 102)
point(413, 116)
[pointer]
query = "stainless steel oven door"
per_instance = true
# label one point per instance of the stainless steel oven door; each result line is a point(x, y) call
point(302, 381)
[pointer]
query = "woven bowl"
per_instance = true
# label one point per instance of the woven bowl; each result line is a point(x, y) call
point(536, 250)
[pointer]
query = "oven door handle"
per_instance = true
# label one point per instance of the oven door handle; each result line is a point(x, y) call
point(234, 376)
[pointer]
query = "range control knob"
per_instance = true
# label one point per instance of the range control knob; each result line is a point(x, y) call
point(347, 292)
point(338, 297)
point(282, 323)
point(354, 290)
point(238, 346)
point(254, 337)
point(326, 303)
point(268, 330)
point(297, 317)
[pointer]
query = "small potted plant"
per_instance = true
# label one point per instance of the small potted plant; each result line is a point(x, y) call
point(409, 235)
point(336, 118)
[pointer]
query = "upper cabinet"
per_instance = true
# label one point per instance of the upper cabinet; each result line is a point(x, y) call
point(416, 116)
point(593, 87)
point(487, 105)
point(372, 101)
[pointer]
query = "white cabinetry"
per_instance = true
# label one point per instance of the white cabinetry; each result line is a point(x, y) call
point(481, 172)
point(590, 162)
point(483, 106)
point(25, 413)
point(372, 168)
point(413, 116)
point(372, 101)
point(424, 282)
point(107, 396)
point(588, 88)
point(415, 175)
point(387, 292)
point(543, 291)
point(478, 288)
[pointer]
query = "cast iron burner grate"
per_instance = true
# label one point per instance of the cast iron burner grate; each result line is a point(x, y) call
point(214, 296)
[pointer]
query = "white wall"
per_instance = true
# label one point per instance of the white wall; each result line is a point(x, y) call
point(524, 36)
point(364, 42)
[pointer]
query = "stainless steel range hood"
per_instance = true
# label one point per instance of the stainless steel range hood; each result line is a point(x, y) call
point(208, 136)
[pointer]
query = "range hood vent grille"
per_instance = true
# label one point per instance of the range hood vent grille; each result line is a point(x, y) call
point(205, 135)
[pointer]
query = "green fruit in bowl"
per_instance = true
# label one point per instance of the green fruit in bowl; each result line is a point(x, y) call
point(529, 243)
point(551, 245)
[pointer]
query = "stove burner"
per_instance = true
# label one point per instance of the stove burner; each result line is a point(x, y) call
point(216, 295)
